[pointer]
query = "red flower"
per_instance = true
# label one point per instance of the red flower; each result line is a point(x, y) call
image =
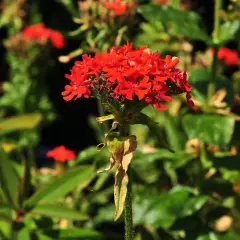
point(40, 32)
point(119, 7)
point(61, 154)
point(57, 39)
point(230, 57)
point(127, 74)
point(36, 31)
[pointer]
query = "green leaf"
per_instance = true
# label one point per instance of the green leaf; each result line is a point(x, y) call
point(175, 137)
point(218, 236)
point(8, 180)
point(70, 6)
point(199, 78)
point(228, 30)
point(155, 36)
point(59, 188)
point(6, 212)
point(58, 212)
point(163, 210)
point(72, 233)
point(178, 22)
point(151, 160)
point(90, 154)
point(177, 159)
point(18, 123)
point(211, 129)
point(105, 214)
point(24, 233)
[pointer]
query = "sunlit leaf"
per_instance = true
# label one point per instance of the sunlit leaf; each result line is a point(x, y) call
point(72, 233)
point(178, 22)
point(81, 176)
point(57, 211)
point(219, 236)
point(228, 30)
point(163, 210)
point(211, 129)
point(24, 122)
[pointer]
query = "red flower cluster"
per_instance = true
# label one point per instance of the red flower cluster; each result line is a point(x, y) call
point(42, 33)
point(125, 74)
point(61, 154)
point(230, 57)
point(119, 7)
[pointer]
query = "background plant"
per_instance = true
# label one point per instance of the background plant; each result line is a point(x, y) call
point(190, 194)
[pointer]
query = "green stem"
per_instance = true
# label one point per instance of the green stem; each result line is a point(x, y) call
point(128, 210)
point(128, 219)
point(213, 80)
point(215, 36)
point(31, 156)
point(101, 112)
point(217, 9)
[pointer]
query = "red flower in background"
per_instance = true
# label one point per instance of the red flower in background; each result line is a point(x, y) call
point(230, 57)
point(41, 32)
point(57, 39)
point(161, 1)
point(119, 7)
point(61, 154)
point(36, 31)
point(127, 74)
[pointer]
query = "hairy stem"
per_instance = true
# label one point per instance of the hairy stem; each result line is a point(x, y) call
point(128, 219)
point(128, 210)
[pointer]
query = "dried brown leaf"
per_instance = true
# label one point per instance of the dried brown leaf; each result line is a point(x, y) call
point(130, 145)
point(120, 192)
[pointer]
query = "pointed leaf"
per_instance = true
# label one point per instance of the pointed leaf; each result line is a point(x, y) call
point(58, 212)
point(6, 212)
point(8, 179)
point(71, 233)
point(211, 129)
point(120, 192)
point(24, 234)
point(162, 210)
point(228, 30)
point(59, 188)
point(17, 123)
point(178, 22)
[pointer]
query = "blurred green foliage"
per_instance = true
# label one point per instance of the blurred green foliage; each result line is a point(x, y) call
point(191, 194)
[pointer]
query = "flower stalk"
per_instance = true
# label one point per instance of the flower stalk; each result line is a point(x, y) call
point(128, 214)
point(128, 219)
point(126, 80)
